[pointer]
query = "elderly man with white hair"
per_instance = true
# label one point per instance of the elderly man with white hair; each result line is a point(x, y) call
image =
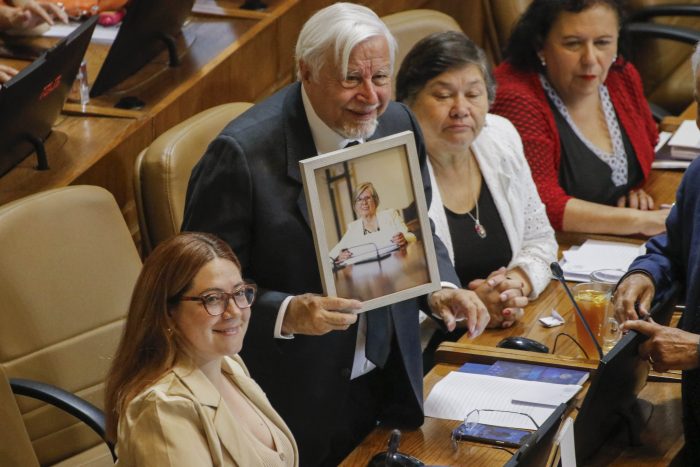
point(330, 375)
point(673, 256)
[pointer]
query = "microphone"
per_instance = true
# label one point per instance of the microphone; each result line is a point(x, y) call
point(559, 275)
point(392, 457)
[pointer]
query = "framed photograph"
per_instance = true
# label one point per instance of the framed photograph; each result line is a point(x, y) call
point(370, 222)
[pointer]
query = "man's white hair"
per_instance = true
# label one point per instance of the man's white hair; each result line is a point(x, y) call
point(695, 60)
point(338, 28)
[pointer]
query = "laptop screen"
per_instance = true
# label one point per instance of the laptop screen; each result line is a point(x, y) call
point(32, 100)
point(147, 28)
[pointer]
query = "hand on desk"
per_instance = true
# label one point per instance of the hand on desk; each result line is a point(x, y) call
point(504, 296)
point(6, 73)
point(454, 305)
point(636, 199)
point(667, 348)
point(637, 288)
point(652, 222)
point(344, 254)
point(315, 315)
point(399, 239)
point(27, 14)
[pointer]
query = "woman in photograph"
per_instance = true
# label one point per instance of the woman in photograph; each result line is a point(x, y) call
point(485, 205)
point(580, 110)
point(382, 228)
point(177, 392)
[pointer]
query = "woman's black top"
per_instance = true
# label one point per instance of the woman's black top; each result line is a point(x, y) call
point(476, 257)
point(583, 175)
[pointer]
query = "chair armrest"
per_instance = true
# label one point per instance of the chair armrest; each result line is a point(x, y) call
point(646, 13)
point(658, 112)
point(663, 31)
point(69, 403)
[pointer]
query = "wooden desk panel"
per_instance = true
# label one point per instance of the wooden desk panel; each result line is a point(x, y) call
point(662, 438)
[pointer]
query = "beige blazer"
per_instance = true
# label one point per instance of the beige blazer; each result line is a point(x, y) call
point(182, 421)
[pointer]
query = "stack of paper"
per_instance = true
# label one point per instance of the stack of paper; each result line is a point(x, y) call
point(662, 158)
point(457, 394)
point(685, 142)
point(593, 255)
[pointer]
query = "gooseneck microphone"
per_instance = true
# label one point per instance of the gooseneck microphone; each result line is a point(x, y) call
point(559, 275)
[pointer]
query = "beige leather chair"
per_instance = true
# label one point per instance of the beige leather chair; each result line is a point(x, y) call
point(68, 265)
point(15, 445)
point(410, 26)
point(163, 170)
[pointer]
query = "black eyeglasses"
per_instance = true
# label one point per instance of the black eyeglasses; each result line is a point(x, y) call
point(216, 302)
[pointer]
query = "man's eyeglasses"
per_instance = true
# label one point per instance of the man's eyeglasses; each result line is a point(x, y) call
point(216, 302)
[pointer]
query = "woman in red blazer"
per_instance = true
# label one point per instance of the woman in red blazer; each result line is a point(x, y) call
point(580, 110)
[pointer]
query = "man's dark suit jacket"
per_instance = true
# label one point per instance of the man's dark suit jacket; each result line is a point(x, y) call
point(675, 257)
point(247, 189)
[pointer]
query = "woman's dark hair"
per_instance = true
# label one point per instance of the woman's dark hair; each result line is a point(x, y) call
point(436, 54)
point(530, 31)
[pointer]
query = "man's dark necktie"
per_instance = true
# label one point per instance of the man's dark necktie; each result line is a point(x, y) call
point(379, 327)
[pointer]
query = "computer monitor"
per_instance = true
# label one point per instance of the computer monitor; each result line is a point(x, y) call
point(611, 400)
point(149, 27)
point(32, 100)
point(536, 450)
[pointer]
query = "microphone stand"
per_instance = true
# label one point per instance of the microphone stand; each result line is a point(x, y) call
point(559, 275)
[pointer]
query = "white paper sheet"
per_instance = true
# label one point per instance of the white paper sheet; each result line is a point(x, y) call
point(579, 263)
point(458, 393)
point(102, 34)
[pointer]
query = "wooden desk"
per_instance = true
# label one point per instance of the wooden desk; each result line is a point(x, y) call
point(403, 269)
point(237, 56)
point(662, 438)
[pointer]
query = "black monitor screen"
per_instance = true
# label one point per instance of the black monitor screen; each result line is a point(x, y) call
point(535, 452)
point(32, 100)
point(147, 28)
point(612, 396)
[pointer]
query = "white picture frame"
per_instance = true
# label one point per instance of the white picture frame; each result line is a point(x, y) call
point(378, 272)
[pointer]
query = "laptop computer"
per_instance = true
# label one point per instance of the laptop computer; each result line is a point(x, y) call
point(148, 27)
point(32, 100)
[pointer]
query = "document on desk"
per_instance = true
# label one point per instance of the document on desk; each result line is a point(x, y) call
point(457, 394)
point(594, 255)
point(102, 34)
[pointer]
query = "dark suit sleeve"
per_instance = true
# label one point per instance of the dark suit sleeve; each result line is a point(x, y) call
point(664, 259)
point(219, 201)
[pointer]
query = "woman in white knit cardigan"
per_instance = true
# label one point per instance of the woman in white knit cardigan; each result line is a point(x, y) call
point(485, 205)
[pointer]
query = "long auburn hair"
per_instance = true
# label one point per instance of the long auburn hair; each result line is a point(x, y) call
point(150, 343)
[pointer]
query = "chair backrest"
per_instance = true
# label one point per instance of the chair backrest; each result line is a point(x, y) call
point(410, 26)
point(665, 64)
point(68, 265)
point(163, 170)
point(15, 445)
point(504, 15)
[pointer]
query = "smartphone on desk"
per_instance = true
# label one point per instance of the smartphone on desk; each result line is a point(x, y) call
point(498, 435)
